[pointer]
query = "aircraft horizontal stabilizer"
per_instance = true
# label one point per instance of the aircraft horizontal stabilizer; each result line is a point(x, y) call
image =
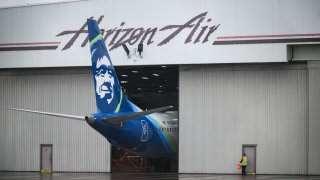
point(51, 114)
point(127, 117)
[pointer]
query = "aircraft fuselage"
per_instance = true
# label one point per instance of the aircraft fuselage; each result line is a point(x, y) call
point(153, 135)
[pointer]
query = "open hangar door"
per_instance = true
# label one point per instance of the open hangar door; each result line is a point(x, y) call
point(70, 90)
point(148, 87)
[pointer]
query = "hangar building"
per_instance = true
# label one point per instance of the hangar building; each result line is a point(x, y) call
point(244, 76)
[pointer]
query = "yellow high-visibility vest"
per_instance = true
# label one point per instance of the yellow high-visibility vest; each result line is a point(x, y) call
point(244, 161)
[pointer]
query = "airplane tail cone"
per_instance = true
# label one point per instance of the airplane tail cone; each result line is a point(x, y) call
point(89, 119)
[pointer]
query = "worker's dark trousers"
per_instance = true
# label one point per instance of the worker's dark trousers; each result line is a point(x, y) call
point(243, 170)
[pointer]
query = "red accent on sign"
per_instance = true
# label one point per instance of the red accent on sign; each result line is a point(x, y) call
point(29, 43)
point(27, 48)
point(267, 36)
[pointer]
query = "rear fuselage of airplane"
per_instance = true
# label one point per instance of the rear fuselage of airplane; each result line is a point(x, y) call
point(154, 135)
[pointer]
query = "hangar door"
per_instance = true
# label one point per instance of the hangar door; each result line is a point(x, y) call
point(77, 147)
point(251, 152)
point(222, 107)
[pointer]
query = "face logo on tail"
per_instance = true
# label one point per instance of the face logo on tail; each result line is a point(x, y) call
point(104, 79)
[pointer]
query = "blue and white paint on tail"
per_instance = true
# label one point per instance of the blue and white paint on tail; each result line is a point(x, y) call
point(109, 96)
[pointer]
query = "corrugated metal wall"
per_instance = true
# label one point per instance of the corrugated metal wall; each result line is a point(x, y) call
point(225, 106)
point(314, 117)
point(76, 146)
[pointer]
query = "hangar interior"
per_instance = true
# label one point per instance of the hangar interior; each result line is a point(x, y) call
point(149, 87)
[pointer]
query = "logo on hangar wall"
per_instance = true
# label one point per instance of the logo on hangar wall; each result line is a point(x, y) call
point(128, 35)
point(199, 29)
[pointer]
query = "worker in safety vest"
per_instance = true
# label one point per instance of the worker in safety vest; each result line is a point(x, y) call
point(244, 163)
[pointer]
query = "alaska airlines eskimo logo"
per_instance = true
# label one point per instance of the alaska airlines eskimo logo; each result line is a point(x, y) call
point(104, 79)
point(121, 35)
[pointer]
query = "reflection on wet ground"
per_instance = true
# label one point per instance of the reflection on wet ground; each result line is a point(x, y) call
point(155, 176)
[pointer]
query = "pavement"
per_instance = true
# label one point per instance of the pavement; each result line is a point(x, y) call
point(134, 176)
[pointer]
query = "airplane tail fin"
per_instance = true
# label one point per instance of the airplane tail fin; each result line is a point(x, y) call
point(109, 96)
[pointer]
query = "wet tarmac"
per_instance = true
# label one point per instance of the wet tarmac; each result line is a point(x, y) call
point(129, 176)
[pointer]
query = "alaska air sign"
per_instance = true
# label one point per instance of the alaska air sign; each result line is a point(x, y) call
point(120, 35)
